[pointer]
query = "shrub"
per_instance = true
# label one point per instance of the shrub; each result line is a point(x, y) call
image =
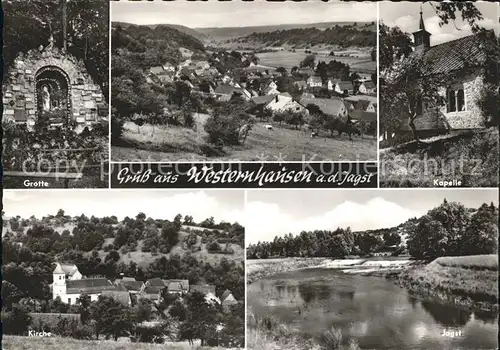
point(148, 334)
point(222, 129)
point(116, 128)
point(214, 247)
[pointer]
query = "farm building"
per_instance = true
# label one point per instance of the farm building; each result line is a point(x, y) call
point(153, 287)
point(464, 60)
point(119, 295)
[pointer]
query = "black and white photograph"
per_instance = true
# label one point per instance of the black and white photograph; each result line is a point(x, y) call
point(55, 90)
point(439, 94)
point(119, 270)
point(369, 269)
point(243, 81)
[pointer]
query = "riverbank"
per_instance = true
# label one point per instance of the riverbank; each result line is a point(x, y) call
point(465, 281)
point(257, 269)
point(267, 333)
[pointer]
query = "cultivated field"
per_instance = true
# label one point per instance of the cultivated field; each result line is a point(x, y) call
point(288, 59)
point(182, 144)
point(11, 342)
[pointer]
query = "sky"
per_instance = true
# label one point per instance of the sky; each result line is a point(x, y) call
point(205, 14)
point(271, 213)
point(223, 205)
point(406, 15)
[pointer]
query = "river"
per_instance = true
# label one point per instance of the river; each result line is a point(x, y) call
point(373, 310)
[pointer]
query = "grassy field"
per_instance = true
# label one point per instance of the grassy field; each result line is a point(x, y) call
point(474, 262)
point(181, 144)
point(470, 281)
point(470, 157)
point(288, 59)
point(11, 342)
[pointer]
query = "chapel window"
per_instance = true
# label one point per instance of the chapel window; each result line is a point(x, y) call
point(455, 99)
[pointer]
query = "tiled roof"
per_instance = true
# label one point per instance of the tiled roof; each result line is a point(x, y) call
point(259, 100)
point(363, 115)
point(369, 84)
point(224, 295)
point(121, 296)
point(203, 288)
point(156, 70)
point(454, 55)
point(345, 85)
point(89, 285)
point(131, 285)
point(363, 104)
point(177, 285)
point(225, 89)
point(328, 106)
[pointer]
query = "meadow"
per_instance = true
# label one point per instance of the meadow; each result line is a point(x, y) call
point(162, 143)
point(12, 342)
point(289, 59)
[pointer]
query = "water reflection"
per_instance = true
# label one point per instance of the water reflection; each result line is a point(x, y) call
point(446, 315)
point(376, 312)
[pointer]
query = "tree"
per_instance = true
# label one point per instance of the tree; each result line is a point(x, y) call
point(142, 311)
point(188, 220)
point(481, 236)
point(16, 321)
point(309, 61)
point(202, 318)
point(111, 318)
point(282, 70)
point(84, 302)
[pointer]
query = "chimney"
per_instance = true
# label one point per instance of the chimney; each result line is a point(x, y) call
point(421, 37)
point(276, 98)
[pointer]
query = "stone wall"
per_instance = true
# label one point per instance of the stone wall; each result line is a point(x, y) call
point(19, 89)
point(471, 118)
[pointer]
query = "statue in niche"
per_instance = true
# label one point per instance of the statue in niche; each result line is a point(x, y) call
point(45, 98)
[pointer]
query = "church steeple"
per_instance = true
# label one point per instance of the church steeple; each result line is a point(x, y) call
point(422, 37)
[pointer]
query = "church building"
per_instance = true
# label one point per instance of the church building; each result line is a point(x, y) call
point(463, 60)
point(69, 284)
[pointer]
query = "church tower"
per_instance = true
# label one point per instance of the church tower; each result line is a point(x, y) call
point(59, 285)
point(422, 38)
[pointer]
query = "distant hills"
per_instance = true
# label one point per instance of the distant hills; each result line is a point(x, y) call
point(226, 33)
point(211, 35)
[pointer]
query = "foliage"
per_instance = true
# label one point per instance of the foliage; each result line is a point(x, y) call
point(451, 230)
point(344, 36)
point(29, 24)
point(111, 318)
point(16, 321)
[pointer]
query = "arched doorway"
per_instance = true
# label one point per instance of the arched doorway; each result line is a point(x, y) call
point(52, 92)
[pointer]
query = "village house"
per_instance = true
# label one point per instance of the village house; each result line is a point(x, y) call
point(227, 299)
point(366, 105)
point(285, 103)
point(156, 70)
point(129, 284)
point(169, 67)
point(331, 83)
point(344, 87)
point(333, 107)
point(225, 92)
point(208, 291)
point(152, 288)
point(300, 84)
point(365, 116)
point(314, 81)
point(121, 296)
point(69, 284)
point(270, 91)
point(462, 60)
point(367, 88)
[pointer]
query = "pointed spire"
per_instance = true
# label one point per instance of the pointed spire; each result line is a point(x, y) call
point(422, 25)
